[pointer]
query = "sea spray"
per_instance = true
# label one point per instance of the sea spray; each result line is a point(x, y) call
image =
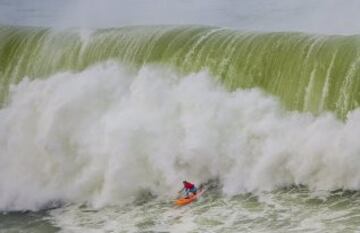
point(105, 134)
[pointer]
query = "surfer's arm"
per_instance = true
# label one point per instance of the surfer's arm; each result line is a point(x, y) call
point(181, 190)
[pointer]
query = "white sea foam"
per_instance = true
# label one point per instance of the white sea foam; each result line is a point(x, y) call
point(103, 135)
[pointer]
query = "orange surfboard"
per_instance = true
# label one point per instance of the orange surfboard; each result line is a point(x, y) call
point(187, 200)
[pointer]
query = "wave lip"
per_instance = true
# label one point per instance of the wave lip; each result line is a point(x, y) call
point(315, 73)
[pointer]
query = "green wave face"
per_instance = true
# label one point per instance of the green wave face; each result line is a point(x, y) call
point(312, 73)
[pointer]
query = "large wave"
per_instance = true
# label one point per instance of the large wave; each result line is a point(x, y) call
point(315, 73)
point(102, 135)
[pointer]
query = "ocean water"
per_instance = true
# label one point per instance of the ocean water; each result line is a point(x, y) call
point(102, 117)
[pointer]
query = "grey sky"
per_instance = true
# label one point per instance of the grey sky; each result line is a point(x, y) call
point(319, 16)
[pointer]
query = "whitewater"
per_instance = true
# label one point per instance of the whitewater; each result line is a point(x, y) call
point(102, 135)
point(112, 136)
point(101, 123)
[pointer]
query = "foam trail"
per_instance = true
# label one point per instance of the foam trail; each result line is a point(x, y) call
point(103, 135)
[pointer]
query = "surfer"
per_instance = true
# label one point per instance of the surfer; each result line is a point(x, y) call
point(192, 193)
point(188, 188)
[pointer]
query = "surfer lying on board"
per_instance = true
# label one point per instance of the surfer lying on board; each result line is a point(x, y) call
point(188, 188)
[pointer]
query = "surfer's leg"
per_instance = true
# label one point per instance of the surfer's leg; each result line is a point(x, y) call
point(187, 191)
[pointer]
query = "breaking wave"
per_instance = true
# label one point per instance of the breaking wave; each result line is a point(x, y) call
point(102, 135)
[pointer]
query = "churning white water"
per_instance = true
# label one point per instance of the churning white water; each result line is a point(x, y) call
point(105, 135)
